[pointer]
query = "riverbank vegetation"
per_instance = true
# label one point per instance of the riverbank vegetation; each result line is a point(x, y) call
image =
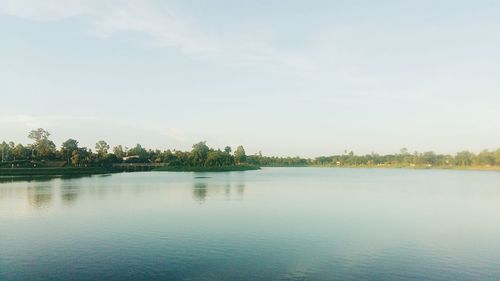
point(206, 168)
point(45, 157)
point(485, 160)
point(42, 156)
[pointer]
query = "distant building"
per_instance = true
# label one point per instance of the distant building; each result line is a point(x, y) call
point(129, 157)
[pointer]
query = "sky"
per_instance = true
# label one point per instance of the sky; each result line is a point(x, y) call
point(298, 78)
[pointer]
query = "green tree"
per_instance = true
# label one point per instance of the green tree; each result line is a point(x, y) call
point(101, 148)
point(139, 151)
point(464, 158)
point(20, 152)
point(429, 158)
point(4, 150)
point(67, 149)
point(81, 156)
point(228, 158)
point(199, 153)
point(44, 147)
point(486, 157)
point(214, 158)
point(118, 151)
point(70, 144)
point(240, 155)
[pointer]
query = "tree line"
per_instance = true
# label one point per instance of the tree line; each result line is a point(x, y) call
point(486, 158)
point(43, 150)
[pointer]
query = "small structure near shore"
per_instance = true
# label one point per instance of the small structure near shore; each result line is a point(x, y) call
point(126, 158)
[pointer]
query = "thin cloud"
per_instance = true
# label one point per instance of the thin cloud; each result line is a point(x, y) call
point(42, 121)
point(164, 26)
point(49, 10)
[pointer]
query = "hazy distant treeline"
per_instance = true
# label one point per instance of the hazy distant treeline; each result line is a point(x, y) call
point(43, 150)
point(402, 159)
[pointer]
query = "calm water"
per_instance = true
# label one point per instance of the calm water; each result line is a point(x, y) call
point(273, 224)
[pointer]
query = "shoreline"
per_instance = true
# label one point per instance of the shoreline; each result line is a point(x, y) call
point(458, 168)
point(8, 172)
point(57, 171)
point(72, 171)
point(236, 168)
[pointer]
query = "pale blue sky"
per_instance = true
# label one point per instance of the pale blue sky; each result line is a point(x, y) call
point(301, 78)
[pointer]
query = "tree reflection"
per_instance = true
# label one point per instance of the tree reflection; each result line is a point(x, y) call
point(40, 196)
point(240, 188)
point(7, 179)
point(200, 191)
point(69, 195)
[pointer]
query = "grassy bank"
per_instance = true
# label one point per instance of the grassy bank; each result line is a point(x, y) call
point(206, 169)
point(472, 168)
point(416, 167)
point(69, 171)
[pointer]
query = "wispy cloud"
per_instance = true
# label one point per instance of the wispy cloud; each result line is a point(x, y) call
point(42, 121)
point(45, 10)
point(164, 26)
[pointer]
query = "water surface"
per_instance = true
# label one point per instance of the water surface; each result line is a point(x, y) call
point(273, 224)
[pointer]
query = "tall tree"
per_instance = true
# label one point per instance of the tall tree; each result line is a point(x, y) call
point(43, 146)
point(139, 151)
point(486, 157)
point(199, 153)
point(67, 149)
point(118, 151)
point(240, 155)
point(70, 144)
point(4, 150)
point(464, 158)
point(101, 148)
point(20, 152)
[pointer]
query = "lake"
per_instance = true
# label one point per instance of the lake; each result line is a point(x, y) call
point(272, 224)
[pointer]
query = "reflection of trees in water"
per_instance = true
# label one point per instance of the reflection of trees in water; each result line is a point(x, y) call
point(26, 178)
point(40, 196)
point(201, 190)
point(240, 188)
point(40, 190)
point(4, 179)
point(69, 195)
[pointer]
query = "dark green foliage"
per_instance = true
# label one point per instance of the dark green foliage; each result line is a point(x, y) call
point(199, 154)
point(71, 155)
point(67, 150)
point(202, 157)
point(207, 169)
point(240, 155)
point(141, 153)
point(260, 160)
